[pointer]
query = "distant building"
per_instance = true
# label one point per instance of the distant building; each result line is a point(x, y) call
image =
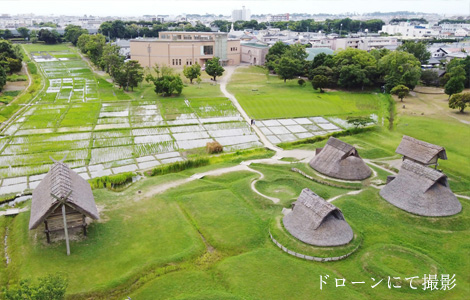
point(177, 49)
point(241, 14)
point(408, 30)
point(124, 47)
point(254, 53)
point(280, 17)
point(312, 52)
point(363, 43)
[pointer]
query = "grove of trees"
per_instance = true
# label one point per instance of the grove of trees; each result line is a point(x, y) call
point(11, 59)
point(350, 68)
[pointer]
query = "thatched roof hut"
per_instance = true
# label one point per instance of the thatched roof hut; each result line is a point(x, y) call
point(422, 191)
point(420, 151)
point(317, 222)
point(62, 187)
point(340, 160)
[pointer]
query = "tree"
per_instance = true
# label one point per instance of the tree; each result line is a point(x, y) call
point(49, 37)
point(111, 60)
point(454, 86)
point(400, 68)
point(10, 57)
point(192, 72)
point(14, 64)
point(325, 71)
point(353, 66)
point(168, 85)
point(274, 54)
point(129, 75)
point(165, 82)
point(51, 287)
point(417, 49)
point(287, 68)
point(3, 78)
point(92, 46)
point(459, 101)
point(23, 31)
point(73, 32)
point(213, 68)
point(319, 82)
point(401, 91)
point(429, 77)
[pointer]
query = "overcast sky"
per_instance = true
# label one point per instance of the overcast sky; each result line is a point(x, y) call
point(175, 7)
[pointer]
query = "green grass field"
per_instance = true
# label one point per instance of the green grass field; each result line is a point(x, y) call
point(267, 97)
point(153, 248)
point(208, 239)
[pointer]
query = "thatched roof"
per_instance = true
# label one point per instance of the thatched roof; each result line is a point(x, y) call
point(60, 181)
point(420, 151)
point(421, 190)
point(340, 160)
point(317, 222)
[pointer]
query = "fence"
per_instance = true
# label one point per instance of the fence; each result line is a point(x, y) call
point(312, 258)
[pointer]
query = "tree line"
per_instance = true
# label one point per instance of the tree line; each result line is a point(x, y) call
point(11, 59)
point(350, 68)
point(132, 29)
point(310, 25)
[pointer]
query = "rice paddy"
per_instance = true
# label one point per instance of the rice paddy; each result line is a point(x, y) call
point(85, 118)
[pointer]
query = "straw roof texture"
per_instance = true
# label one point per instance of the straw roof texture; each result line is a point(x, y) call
point(420, 151)
point(340, 160)
point(422, 191)
point(60, 181)
point(317, 222)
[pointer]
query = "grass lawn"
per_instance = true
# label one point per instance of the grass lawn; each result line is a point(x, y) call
point(208, 239)
point(267, 97)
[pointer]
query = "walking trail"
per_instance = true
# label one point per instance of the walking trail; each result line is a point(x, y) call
point(301, 155)
point(20, 111)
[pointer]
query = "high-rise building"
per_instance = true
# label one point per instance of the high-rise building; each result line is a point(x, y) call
point(241, 14)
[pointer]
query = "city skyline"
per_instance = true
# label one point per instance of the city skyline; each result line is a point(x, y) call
point(178, 7)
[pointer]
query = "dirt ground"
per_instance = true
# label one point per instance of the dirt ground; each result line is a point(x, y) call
point(433, 103)
point(18, 85)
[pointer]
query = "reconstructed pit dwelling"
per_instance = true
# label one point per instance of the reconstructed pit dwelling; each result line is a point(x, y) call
point(340, 160)
point(317, 222)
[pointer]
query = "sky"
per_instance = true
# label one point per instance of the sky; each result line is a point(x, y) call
point(177, 7)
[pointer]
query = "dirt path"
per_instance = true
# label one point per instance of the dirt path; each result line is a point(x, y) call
point(25, 106)
point(97, 72)
point(241, 167)
point(223, 87)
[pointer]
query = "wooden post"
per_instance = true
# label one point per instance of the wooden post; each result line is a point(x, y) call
point(66, 231)
point(84, 226)
point(47, 232)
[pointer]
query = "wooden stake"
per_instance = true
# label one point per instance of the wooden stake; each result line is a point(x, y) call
point(66, 231)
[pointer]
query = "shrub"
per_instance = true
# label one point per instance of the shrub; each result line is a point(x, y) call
point(301, 82)
point(111, 181)
point(179, 166)
point(32, 68)
point(214, 147)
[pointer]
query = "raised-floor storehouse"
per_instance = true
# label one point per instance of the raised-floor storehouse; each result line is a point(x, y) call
point(178, 49)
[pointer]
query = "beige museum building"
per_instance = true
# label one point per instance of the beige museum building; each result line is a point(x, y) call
point(179, 49)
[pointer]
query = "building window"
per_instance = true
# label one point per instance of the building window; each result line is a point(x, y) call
point(208, 50)
point(173, 61)
point(180, 61)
